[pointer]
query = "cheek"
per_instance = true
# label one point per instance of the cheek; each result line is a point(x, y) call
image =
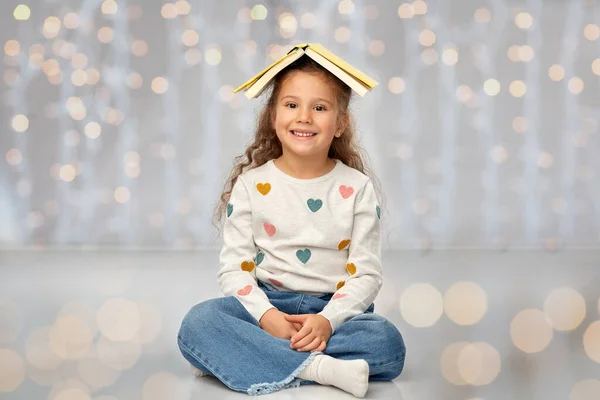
point(278, 117)
point(280, 126)
point(330, 125)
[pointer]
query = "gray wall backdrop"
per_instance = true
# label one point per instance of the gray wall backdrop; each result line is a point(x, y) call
point(118, 125)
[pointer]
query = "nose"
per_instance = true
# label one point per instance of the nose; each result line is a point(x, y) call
point(304, 115)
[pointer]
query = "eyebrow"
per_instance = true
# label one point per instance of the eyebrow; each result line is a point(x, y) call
point(317, 98)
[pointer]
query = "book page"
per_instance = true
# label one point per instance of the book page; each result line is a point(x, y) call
point(348, 79)
point(318, 48)
point(256, 77)
point(257, 88)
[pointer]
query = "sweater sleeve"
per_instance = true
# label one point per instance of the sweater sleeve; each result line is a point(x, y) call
point(237, 273)
point(363, 265)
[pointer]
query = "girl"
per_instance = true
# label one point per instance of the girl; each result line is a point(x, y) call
point(300, 265)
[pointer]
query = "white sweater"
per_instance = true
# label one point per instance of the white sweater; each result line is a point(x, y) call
point(311, 236)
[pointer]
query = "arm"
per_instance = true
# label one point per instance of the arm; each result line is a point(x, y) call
point(237, 274)
point(364, 263)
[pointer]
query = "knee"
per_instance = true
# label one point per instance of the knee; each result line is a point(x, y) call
point(391, 350)
point(393, 339)
point(384, 333)
point(395, 348)
point(200, 318)
point(195, 318)
point(386, 352)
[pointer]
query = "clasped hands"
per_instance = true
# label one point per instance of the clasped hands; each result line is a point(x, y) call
point(306, 332)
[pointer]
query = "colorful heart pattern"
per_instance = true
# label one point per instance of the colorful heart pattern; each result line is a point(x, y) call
point(245, 291)
point(351, 268)
point(270, 229)
point(263, 188)
point(247, 266)
point(303, 255)
point(315, 204)
point(259, 257)
point(346, 191)
point(275, 282)
point(343, 244)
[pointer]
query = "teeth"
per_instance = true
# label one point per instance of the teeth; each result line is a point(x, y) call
point(303, 134)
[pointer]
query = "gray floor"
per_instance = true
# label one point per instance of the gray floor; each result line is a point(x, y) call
point(102, 325)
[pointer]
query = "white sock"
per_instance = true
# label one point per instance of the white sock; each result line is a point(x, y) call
point(196, 371)
point(351, 376)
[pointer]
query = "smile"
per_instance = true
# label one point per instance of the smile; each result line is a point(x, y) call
point(303, 134)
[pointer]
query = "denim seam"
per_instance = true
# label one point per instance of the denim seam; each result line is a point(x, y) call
point(216, 374)
point(300, 304)
point(390, 363)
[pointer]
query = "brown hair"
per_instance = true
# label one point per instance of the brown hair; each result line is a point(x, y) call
point(266, 146)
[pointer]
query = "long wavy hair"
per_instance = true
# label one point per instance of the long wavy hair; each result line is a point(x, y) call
point(266, 146)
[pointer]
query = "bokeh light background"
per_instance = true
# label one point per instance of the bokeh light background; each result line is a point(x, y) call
point(118, 127)
point(119, 123)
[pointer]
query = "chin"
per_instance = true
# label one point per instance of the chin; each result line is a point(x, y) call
point(307, 153)
point(301, 153)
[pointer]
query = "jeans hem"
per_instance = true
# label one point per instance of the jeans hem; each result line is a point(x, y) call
point(290, 381)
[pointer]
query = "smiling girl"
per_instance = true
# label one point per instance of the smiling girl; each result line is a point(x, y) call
point(300, 263)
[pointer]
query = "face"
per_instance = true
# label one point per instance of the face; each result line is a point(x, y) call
point(306, 115)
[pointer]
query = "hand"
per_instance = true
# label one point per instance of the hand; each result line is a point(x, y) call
point(273, 322)
point(315, 332)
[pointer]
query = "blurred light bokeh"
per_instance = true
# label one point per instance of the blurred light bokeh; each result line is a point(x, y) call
point(118, 127)
point(119, 124)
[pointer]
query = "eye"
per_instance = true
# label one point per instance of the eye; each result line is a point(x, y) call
point(291, 105)
point(320, 108)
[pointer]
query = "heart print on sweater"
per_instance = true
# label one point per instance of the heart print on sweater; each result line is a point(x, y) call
point(244, 291)
point(303, 255)
point(346, 191)
point(270, 229)
point(263, 188)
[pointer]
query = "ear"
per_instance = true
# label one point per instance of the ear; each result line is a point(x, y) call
point(342, 125)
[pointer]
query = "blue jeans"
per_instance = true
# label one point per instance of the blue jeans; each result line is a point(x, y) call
point(220, 338)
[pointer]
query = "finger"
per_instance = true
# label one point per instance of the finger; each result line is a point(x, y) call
point(313, 345)
point(300, 318)
point(322, 346)
point(301, 333)
point(291, 333)
point(305, 341)
point(297, 326)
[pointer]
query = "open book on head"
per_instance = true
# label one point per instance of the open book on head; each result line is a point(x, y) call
point(351, 76)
